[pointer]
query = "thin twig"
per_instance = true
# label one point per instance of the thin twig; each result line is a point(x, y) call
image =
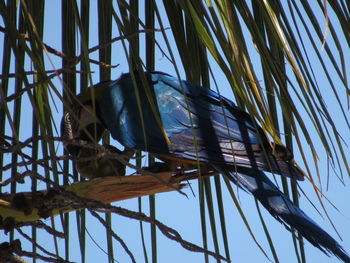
point(102, 152)
point(37, 245)
point(50, 230)
point(77, 59)
point(167, 231)
point(121, 241)
point(41, 257)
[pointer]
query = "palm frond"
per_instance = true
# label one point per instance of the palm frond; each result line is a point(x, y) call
point(285, 62)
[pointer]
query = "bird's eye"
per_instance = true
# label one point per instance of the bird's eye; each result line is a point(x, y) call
point(67, 126)
point(68, 118)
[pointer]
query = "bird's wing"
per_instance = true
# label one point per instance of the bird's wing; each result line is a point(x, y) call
point(199, 123)
point(203, 125)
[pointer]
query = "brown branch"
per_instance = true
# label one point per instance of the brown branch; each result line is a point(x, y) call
point(31, 206)
point(41, 257)
point(165, 230)
point(43, 80)
point(8, 251)
point(96, 195)
point(77, 59)
point(112, 189)
point(103, 152)
point(31, 240)
point(114, 235)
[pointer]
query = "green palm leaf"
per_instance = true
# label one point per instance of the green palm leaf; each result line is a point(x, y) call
point(285, 62)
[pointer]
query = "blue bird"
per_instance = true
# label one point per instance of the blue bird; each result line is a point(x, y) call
point(178, 121)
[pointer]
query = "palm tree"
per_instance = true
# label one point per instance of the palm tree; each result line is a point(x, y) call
point(284, 62)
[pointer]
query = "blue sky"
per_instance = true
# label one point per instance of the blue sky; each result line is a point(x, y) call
point(183, 213)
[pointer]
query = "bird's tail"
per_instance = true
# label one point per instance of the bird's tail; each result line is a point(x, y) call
point(284, 210)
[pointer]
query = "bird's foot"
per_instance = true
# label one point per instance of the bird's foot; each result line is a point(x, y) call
point(158, 167)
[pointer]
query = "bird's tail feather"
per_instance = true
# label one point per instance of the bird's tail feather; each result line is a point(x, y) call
point(284, 210)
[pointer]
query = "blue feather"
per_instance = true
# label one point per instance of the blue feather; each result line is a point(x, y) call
point(203, 125)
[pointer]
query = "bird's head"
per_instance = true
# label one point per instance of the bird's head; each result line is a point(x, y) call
point(80, 124)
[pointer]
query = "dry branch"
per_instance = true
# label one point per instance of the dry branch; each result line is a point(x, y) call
point(32, 206)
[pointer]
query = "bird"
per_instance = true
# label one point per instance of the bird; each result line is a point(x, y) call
point(178, 121)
